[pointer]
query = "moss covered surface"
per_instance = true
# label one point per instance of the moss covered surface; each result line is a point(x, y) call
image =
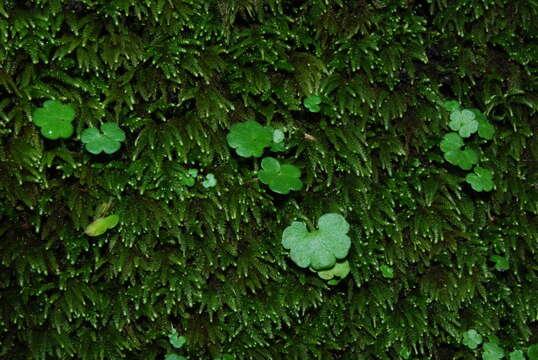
point(175, 75)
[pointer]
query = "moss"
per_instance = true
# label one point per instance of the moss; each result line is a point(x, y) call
point(175, 76)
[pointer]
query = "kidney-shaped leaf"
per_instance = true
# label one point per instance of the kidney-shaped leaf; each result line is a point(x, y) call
point(108, 140)
point(471, 339)
point(481, 179)
point(280, 178)
point(101, 225)
point(318, 249)
point(249, 138)
point(54, 119)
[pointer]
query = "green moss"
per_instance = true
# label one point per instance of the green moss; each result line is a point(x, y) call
point(176, 76)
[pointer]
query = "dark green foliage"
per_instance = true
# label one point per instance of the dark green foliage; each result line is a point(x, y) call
point(175, 75)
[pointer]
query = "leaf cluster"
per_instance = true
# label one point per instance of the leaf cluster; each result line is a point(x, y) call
point(464, 123)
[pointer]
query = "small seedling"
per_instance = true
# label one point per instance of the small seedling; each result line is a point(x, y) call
point(108, 140)
point(280, 178)
point(101, 225)
point(177, 342)
point(321, 248)
point(189, 178)
point(249, 138)
point(54, 119)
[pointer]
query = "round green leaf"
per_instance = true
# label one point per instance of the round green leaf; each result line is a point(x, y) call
point(90, 135)
point(188, 181)
point(295, 237)
point(464, 122)
point(108, 140)
point(280, 178)
point(319, 249)
point(516, 355)
point(193, 172)
point(113, 131)
point(460, 117)
point(492, 351)
point(250, 138)
point(532, 352)
point(54, 119)
point(481, 179)
point(333, 222)
point(109, 146)
point(101, 225)
point(209, 181)
point(451, 141)
point(468, 129)
point(465, 159)
point(471, 339)
point(270, 164)
point(177, 341)
point(312, 103)
point(189, 177)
